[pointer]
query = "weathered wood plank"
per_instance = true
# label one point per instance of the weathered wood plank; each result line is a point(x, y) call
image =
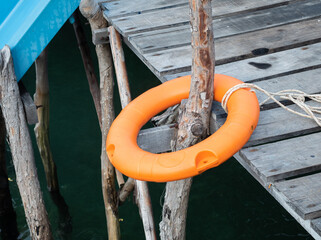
point(175, 36)
point(271, 65)
point(118, 8)
point(303, 194)
point(237, 47)
point(316, 225)
point(242, 14)
point(281, 199)
point(275, 161)
point(157, 139)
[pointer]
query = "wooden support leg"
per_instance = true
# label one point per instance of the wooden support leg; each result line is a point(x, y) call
point(88, 63)
point(142, 193)
point(91, 76)
point(8, 222)
point(21, 149)
point(91, 10)
point(193, 125)
point(41, 98)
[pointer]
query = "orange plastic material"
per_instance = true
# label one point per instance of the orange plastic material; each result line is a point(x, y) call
point(128, 158)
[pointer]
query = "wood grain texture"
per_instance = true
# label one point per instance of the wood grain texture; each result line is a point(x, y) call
point(285, 158)
point(42, 128)
point(303, 194)
point(156, 139)
point(271, 65)
point(174, 36)
point(28, 105)
point(171, 17)
point(316, 225)
point(118, 8)
point(22, 151)
point(238, 47)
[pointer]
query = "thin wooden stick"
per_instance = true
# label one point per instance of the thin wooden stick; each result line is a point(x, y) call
point(91, 10)
point(88, 63)
point(142, 197)
point(126, 190)
point(22, 152)
point(193, 125)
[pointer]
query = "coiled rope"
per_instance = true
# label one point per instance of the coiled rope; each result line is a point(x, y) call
point(296, 96)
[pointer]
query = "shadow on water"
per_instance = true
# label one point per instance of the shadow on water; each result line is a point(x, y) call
point(225, 202)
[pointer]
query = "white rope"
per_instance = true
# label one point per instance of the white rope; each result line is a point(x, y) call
point(296, 96)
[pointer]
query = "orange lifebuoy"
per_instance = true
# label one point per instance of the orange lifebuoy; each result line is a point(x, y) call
point(128, 158)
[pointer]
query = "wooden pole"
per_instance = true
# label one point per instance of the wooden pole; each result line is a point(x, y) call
point(91, 76)
point(193, 125)
point(21, 149)
point(8, 222)
point(143, 200)
point(41, 98)
point(91, 10)
point(88, 63)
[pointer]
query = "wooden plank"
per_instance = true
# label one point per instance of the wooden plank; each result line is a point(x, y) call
point(304, 195)
point(157, 139)
point(179, 16)
point(316, 225)
point(119, 8)
point(275, 161)
point(174, 36)
point(268, 66)
point(238, 47)
point(272, 65)
point(306, 224)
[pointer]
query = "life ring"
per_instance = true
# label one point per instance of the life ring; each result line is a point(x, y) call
point(129, 159)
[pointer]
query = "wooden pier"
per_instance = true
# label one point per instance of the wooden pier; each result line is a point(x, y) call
point(275, 44)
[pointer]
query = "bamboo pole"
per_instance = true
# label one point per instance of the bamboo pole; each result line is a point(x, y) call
point(193, 125)
point(91, 10)
point(21, 149)
point(8, 222)
point(143, 200)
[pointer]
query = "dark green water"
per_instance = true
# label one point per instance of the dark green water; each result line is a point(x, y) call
point(225, 202)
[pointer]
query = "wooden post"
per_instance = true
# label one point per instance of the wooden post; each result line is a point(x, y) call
point(91, 76)
point(91, 10)
point(193, 123)
point(41, 98)
point(143, 200)
point(88, 63)
point(8, 222)
point(21, 149)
